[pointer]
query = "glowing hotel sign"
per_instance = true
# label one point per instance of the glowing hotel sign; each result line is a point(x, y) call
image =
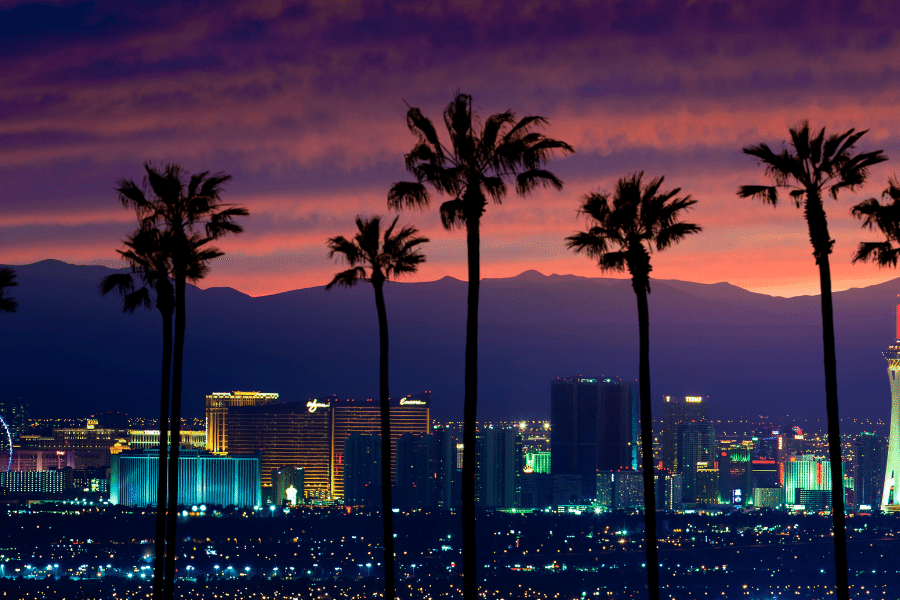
point(313, 404)
point(412, 402)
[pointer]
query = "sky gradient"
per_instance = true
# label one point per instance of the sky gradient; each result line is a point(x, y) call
point(304, 105)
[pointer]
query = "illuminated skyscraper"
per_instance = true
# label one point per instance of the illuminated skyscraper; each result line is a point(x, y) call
point(290, 434)
point(676, 410)
point(218, 406)
point(890, 494)
point(806, 478)
point(409, 414)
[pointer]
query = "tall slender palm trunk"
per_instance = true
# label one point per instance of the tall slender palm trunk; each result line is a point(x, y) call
point(165, 381)
point(650, 541)
point(387, 514)
point(470, 412)
point(177, 363)
point(821, 242)
point(834, 434)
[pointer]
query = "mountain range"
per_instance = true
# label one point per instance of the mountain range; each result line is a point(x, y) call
point(70, 352)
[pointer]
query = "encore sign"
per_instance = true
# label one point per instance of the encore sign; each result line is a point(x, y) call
point(407, 401)
point(313, 404)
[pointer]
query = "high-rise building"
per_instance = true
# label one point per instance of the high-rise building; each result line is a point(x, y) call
point(290, 434)
point(362, 469)
point(676, 410)
point(805, 472)
point(421, 470)
point(139, 439)
point(218, 406)
point(735, 475)
point(869, 461)
point(15, 414)
point(594, 426)
point(694, 444)
point(409, 414)
point(890, 491)
point(203, 478)
point(310, 435)
point(499, 466)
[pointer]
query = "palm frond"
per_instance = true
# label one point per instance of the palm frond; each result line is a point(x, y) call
point(527, 181)
point(882, 253)
point(408, 194)
point(348, 278)
point(453, 214)
point(766, 193)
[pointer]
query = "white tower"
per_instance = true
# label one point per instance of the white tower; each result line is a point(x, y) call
point(890, 496)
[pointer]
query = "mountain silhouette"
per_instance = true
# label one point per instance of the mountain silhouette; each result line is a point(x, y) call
point(70, 352)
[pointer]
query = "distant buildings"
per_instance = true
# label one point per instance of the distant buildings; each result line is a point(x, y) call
point(203, 478)
point(806, 478)
point(675, 410)
point(594, 428)
point(311, 435)
point(218, 407)
point(695, 448)
point(870, 460)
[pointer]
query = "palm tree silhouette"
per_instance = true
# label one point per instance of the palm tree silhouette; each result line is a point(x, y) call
point(193, 215)
point(147, 251)
point(377, 257)
point(884, 218)
point(812, 166)
point(624, 229)
point(7, 280)
point(477, 165)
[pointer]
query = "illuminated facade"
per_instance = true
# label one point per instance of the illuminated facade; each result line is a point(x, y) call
point(310, 435)
point(203, 478)
point(409, 414)
point(802, 473)
point(218, 406)
point(289, 434)
point(149, 438)
point(890, 492)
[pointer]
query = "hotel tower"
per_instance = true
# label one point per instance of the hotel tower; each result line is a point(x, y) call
point(890, 495)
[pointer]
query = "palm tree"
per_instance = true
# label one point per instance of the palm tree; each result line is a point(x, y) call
point(7, 280)
point(476, 165)
point(193, 214)
point(884, 218)
point(376, 257)
point(624, 229)
point(812, 166)
point(147, 251)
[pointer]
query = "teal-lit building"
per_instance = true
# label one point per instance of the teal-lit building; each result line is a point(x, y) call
point(203, 478)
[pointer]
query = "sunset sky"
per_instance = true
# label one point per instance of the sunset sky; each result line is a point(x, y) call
point(304, 105)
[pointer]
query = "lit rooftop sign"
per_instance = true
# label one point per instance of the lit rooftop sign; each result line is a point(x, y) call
point(313, 404)
point(693, 398)
point(411, 402)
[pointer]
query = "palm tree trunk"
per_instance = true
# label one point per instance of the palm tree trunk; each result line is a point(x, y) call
point(822, 243)
point(834, 433)
point(387, 514)
point(650, 541)
point(470, 412)
point(160, 540)
point(177, 362)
